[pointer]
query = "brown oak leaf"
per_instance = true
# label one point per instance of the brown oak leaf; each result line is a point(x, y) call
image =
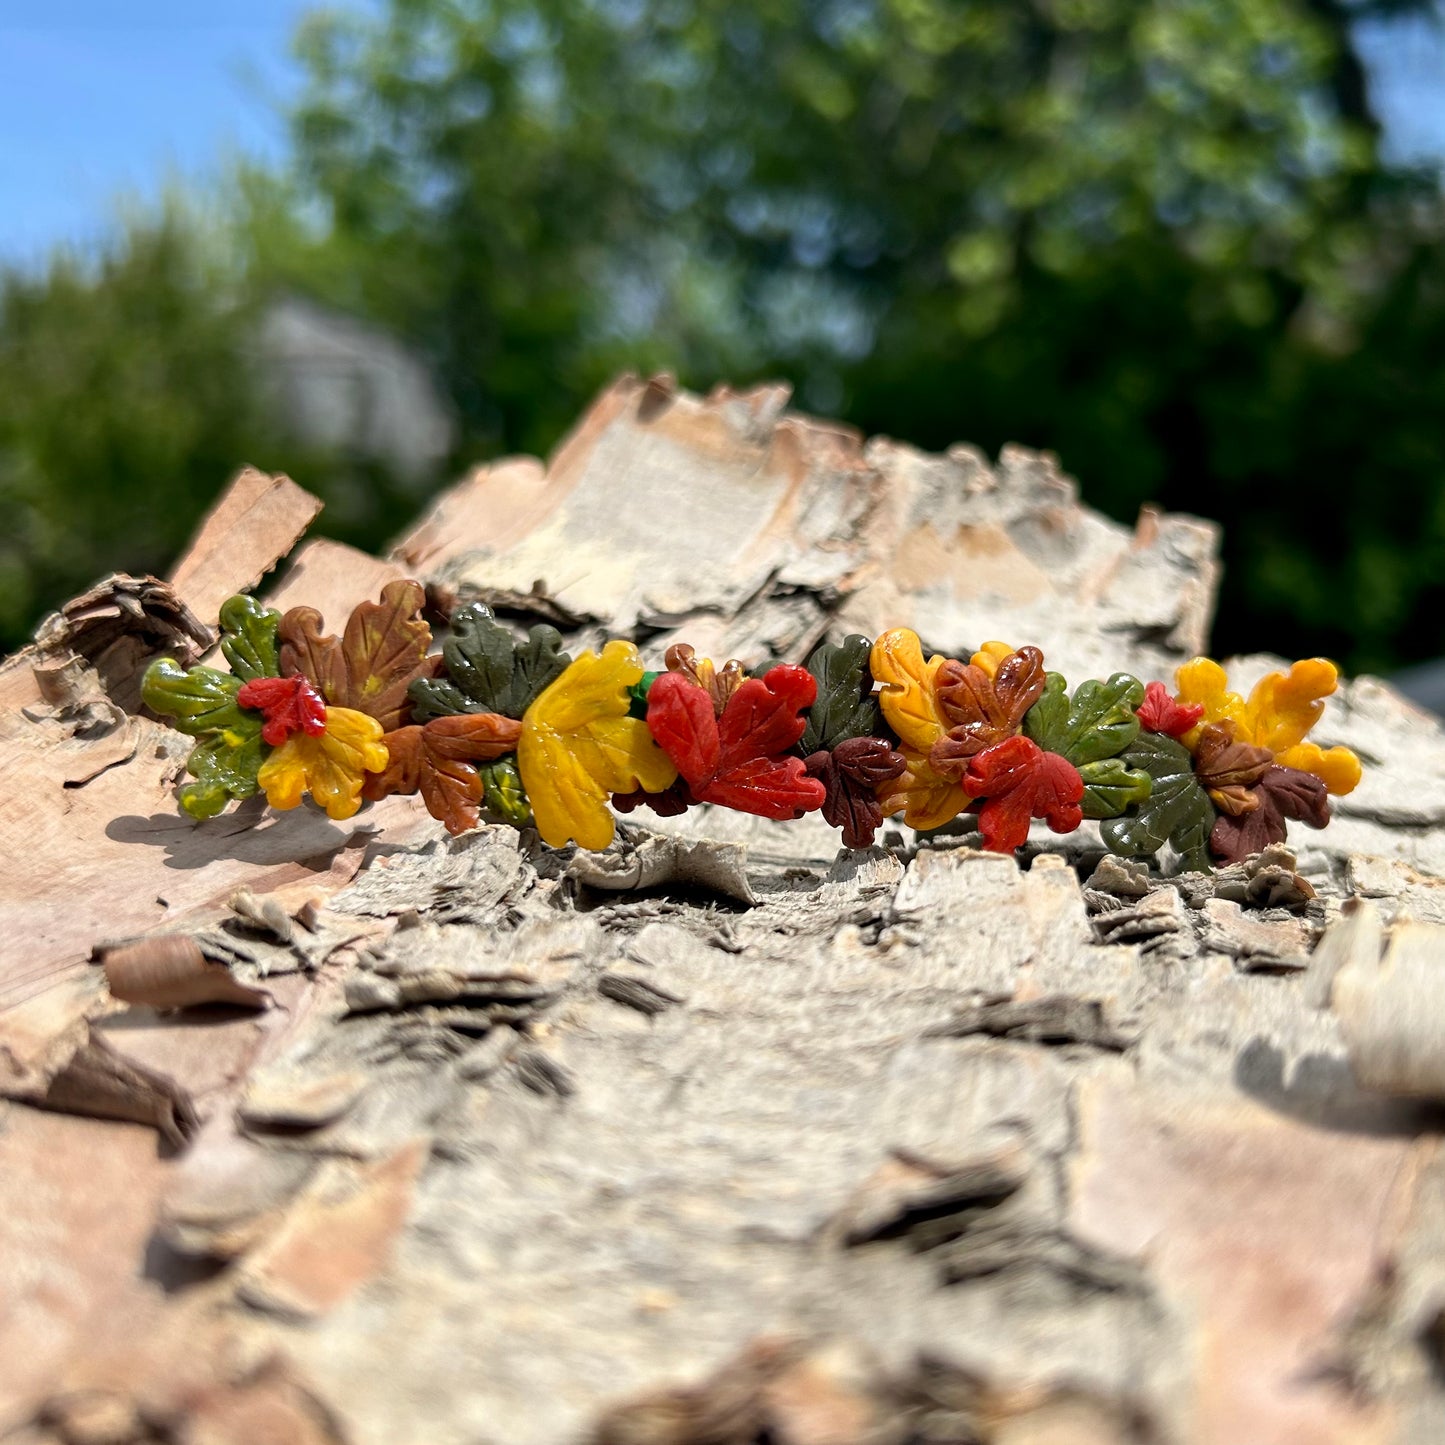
point(851, 773)
point(1280, 794)
point(1229, 770)
point(438, 759)
point(382, 650)
point(720, 683)
point(982, 711)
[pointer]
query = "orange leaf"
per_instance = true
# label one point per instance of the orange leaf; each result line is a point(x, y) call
point(383, 650)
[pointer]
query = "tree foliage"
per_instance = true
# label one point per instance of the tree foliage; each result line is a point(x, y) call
point(1155, 236)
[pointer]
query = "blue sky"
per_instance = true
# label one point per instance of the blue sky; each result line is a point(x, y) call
point(99, 98)
point(103, 98)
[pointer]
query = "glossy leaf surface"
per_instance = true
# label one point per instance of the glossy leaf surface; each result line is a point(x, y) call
point(1018, 781)
point(440, 760)
point(331, 767)
point(488, 670)
point(288, 704)
point(1177, 811)
point(851, 774)
point(370, 667)
point(740, 760)
point(579, 746)
point(248, 637)
point(199, 699)
point(982, 710)
point(1280, 794)
point(845, 706)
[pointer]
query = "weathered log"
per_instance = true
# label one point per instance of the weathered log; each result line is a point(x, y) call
point(726, 1134)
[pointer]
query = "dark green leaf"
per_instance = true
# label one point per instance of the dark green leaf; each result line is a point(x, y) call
point(200, 700)
point(1097, 723)
point(248, 637)
point(225, 767)
point(487, 671)
point(502, 792)
point(1177, 811)
point(845, 707)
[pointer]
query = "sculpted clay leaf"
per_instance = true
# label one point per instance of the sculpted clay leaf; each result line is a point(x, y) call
point(1280, 794)
point(1090, 730)
point(1098, 722)
point(248, 637)
point(199, 699)
point(1177, 810)
point(851, 775)
point(224, 766)
point(579, 746)
point(332, 767)
point(740, 760)
point(1019, 780)
point(503, 795)
point(440, 760)
point(845, 706)
point(1160, 712)
point(369, 669)
point(488, 670)
point(984, 709)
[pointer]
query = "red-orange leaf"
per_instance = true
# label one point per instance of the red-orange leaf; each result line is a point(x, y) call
point(369, 668)
point(438, 760)
point(739, 760)
point(1161, 712)
point(1018, 780)
point(981, 711)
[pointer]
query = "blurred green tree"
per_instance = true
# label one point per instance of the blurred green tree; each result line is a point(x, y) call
point(1155, 236)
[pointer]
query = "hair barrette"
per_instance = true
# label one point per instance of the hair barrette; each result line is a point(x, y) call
point(521, 732)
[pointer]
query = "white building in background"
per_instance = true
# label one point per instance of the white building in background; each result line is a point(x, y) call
point(346, 386)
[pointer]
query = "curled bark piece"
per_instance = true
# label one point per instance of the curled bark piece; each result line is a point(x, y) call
point(170, 971)
point(100, 1084)
point(1389, 1011)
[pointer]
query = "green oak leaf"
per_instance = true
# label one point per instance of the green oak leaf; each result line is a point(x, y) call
point(845, 706)
point(1091, 729)
point(225, 767)
point(200, 699)
point(487, 671)
point(1098, 722)
point(1177, 810)
point(502, 792)
point(1111, 787)
point(248, 637)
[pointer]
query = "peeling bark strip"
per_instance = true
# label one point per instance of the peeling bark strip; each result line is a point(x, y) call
point(777, 1207)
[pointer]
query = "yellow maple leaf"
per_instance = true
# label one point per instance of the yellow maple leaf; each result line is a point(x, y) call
point(910, 703)
point(1281, 710)
point(579, 746)
point(910, 694)
point(990, 655)
point(925, 799)
point(331, 766)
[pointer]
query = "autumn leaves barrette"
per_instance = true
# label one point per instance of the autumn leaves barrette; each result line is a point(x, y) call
point(519, 731)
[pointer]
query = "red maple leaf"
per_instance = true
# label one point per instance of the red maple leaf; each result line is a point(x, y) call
point(290, 705)
point(1162, 713)
point(737, 759)
point(1019, 781)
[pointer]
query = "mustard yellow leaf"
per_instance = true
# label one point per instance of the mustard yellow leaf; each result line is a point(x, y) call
point(331, 767)
point(910, 693)
point(1203, 681)
point(1284, 706)
point(579, 746)
point(925, 799)
point(1337, 768)
point(990, 655)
